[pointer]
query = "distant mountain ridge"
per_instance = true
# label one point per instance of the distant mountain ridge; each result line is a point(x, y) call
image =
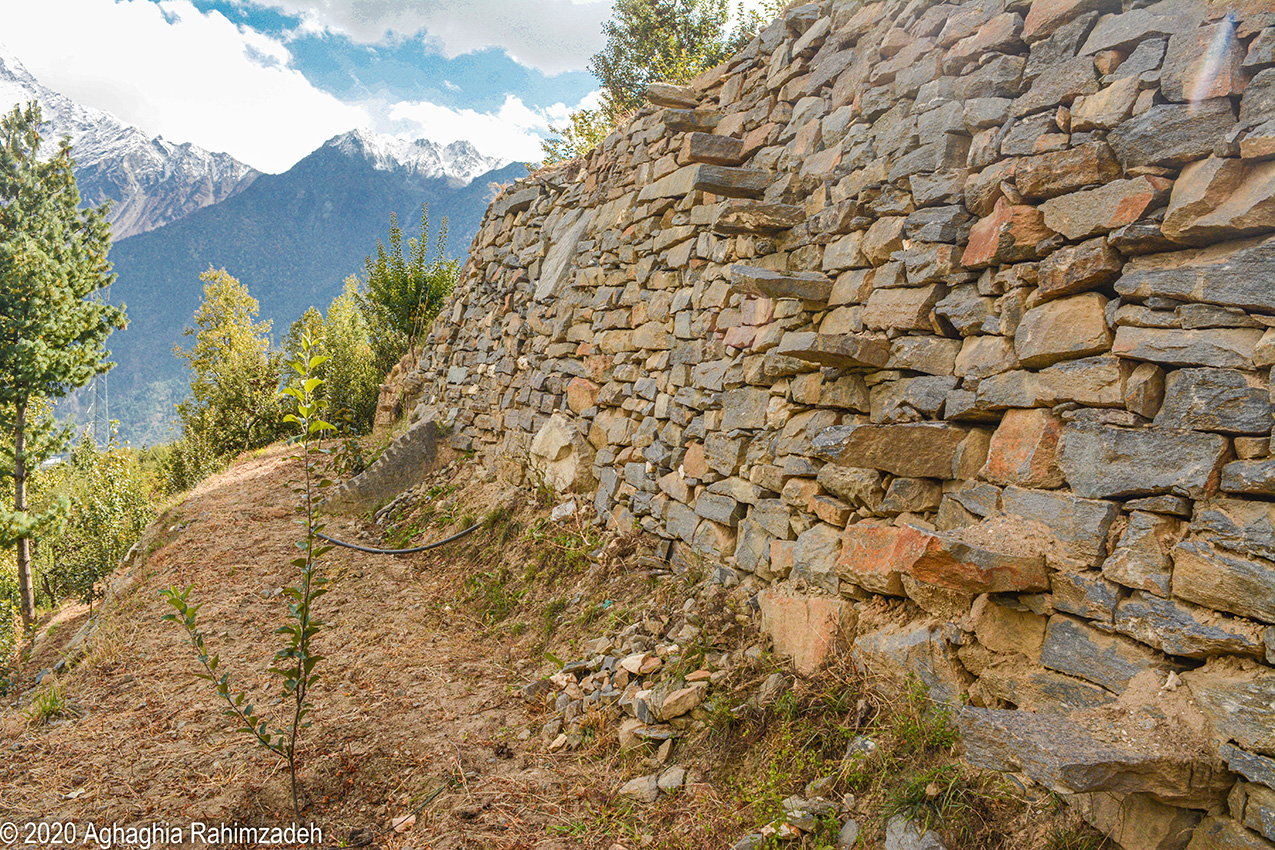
point(291, 238)
point(151, 181)
point(458, 162)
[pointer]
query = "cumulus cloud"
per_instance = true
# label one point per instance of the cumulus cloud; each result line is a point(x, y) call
point(550, 35)
point(178, 72)
point(512, 132)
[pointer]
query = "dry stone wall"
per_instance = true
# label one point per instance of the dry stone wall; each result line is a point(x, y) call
point(950, 325)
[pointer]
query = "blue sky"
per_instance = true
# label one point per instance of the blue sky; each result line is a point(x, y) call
point(269, 80)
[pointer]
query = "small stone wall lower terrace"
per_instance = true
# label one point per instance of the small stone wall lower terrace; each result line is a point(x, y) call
point(949, 325)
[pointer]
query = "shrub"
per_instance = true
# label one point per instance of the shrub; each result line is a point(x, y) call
point(401, 296)
point(108, 508)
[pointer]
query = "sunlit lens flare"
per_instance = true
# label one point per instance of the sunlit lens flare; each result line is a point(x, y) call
point(1218, 50)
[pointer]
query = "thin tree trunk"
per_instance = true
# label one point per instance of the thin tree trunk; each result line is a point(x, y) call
point(26, 586)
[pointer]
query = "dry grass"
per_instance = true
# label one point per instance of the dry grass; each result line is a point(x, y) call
point(418, 709)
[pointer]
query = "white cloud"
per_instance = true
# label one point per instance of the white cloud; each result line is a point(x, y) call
point(551, 35)
point(513, 132)
point(175, 71)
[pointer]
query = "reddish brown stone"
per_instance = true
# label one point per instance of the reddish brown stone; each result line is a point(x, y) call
point(1078, 268)
point(1012, 233)
point(1048, 16)
point(1024, 450)
point(805, 628)
point(1052, 174)
point(693, 463)
point(582, 394)
point(1120, 202)
point(978, 562)
point(974, 560)
point(872, 556)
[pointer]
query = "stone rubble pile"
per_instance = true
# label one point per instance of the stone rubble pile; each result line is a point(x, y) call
point(951, 324)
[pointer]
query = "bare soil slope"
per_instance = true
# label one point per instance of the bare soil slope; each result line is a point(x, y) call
point(414, 695)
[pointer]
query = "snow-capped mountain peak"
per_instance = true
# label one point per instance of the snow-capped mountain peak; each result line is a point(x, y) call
point(151, 180)
point(459, 162)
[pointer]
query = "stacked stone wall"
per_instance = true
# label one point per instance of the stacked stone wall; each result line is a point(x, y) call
point(950, 324)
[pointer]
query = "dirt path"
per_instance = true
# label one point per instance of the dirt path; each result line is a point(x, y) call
point(413, 697)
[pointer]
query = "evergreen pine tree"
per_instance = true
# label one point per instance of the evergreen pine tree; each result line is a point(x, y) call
point(52, 259)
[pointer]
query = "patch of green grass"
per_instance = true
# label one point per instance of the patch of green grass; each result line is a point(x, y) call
point(47, 705)
point(493, 595)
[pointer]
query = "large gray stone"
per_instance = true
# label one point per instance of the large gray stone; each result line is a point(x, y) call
point(1079, 525)
point(1035, 689)
point(1251, 477)
point(1224, 581)
point(1241, 525)
point(1069, 758)
point(1075, 647)
point(718, 179)
point(1225, 348)
point(1239, 698)
point(1222, 400)
point(1129, 30)
point(1236, 274)
point(814, 556)
point(1178, 628)
point(1102, 462)
point(1252, 767)
point(1173, 134)
point(1141, 559)
point(744, 407)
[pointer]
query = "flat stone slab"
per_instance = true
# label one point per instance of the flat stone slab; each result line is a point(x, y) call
point(1239, 699)
point(1070, 758)
point(913, 450)
point(718, 179)
point(807, 286)
point(745, 216)
point(1236, 274)
point(846, 351)
point(1224, 581)
point(1075, 647)
point(1101, 461)
point(713, 149)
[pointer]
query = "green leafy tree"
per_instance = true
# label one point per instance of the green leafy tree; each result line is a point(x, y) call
point(648, 41)
point(402, 295)
point(295, 662)
point(353, 379)
point(52, 260)
point(233, 403)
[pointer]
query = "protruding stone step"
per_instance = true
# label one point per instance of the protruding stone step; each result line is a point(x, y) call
point(842, 350)
point(690, 120)
point(718, 179)
point(515, 202)
point(745, 216)
point(672, 96)
point(714, 150)
point(808, 286)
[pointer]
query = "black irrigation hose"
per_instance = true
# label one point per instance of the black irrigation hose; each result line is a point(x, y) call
point(411, 551)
